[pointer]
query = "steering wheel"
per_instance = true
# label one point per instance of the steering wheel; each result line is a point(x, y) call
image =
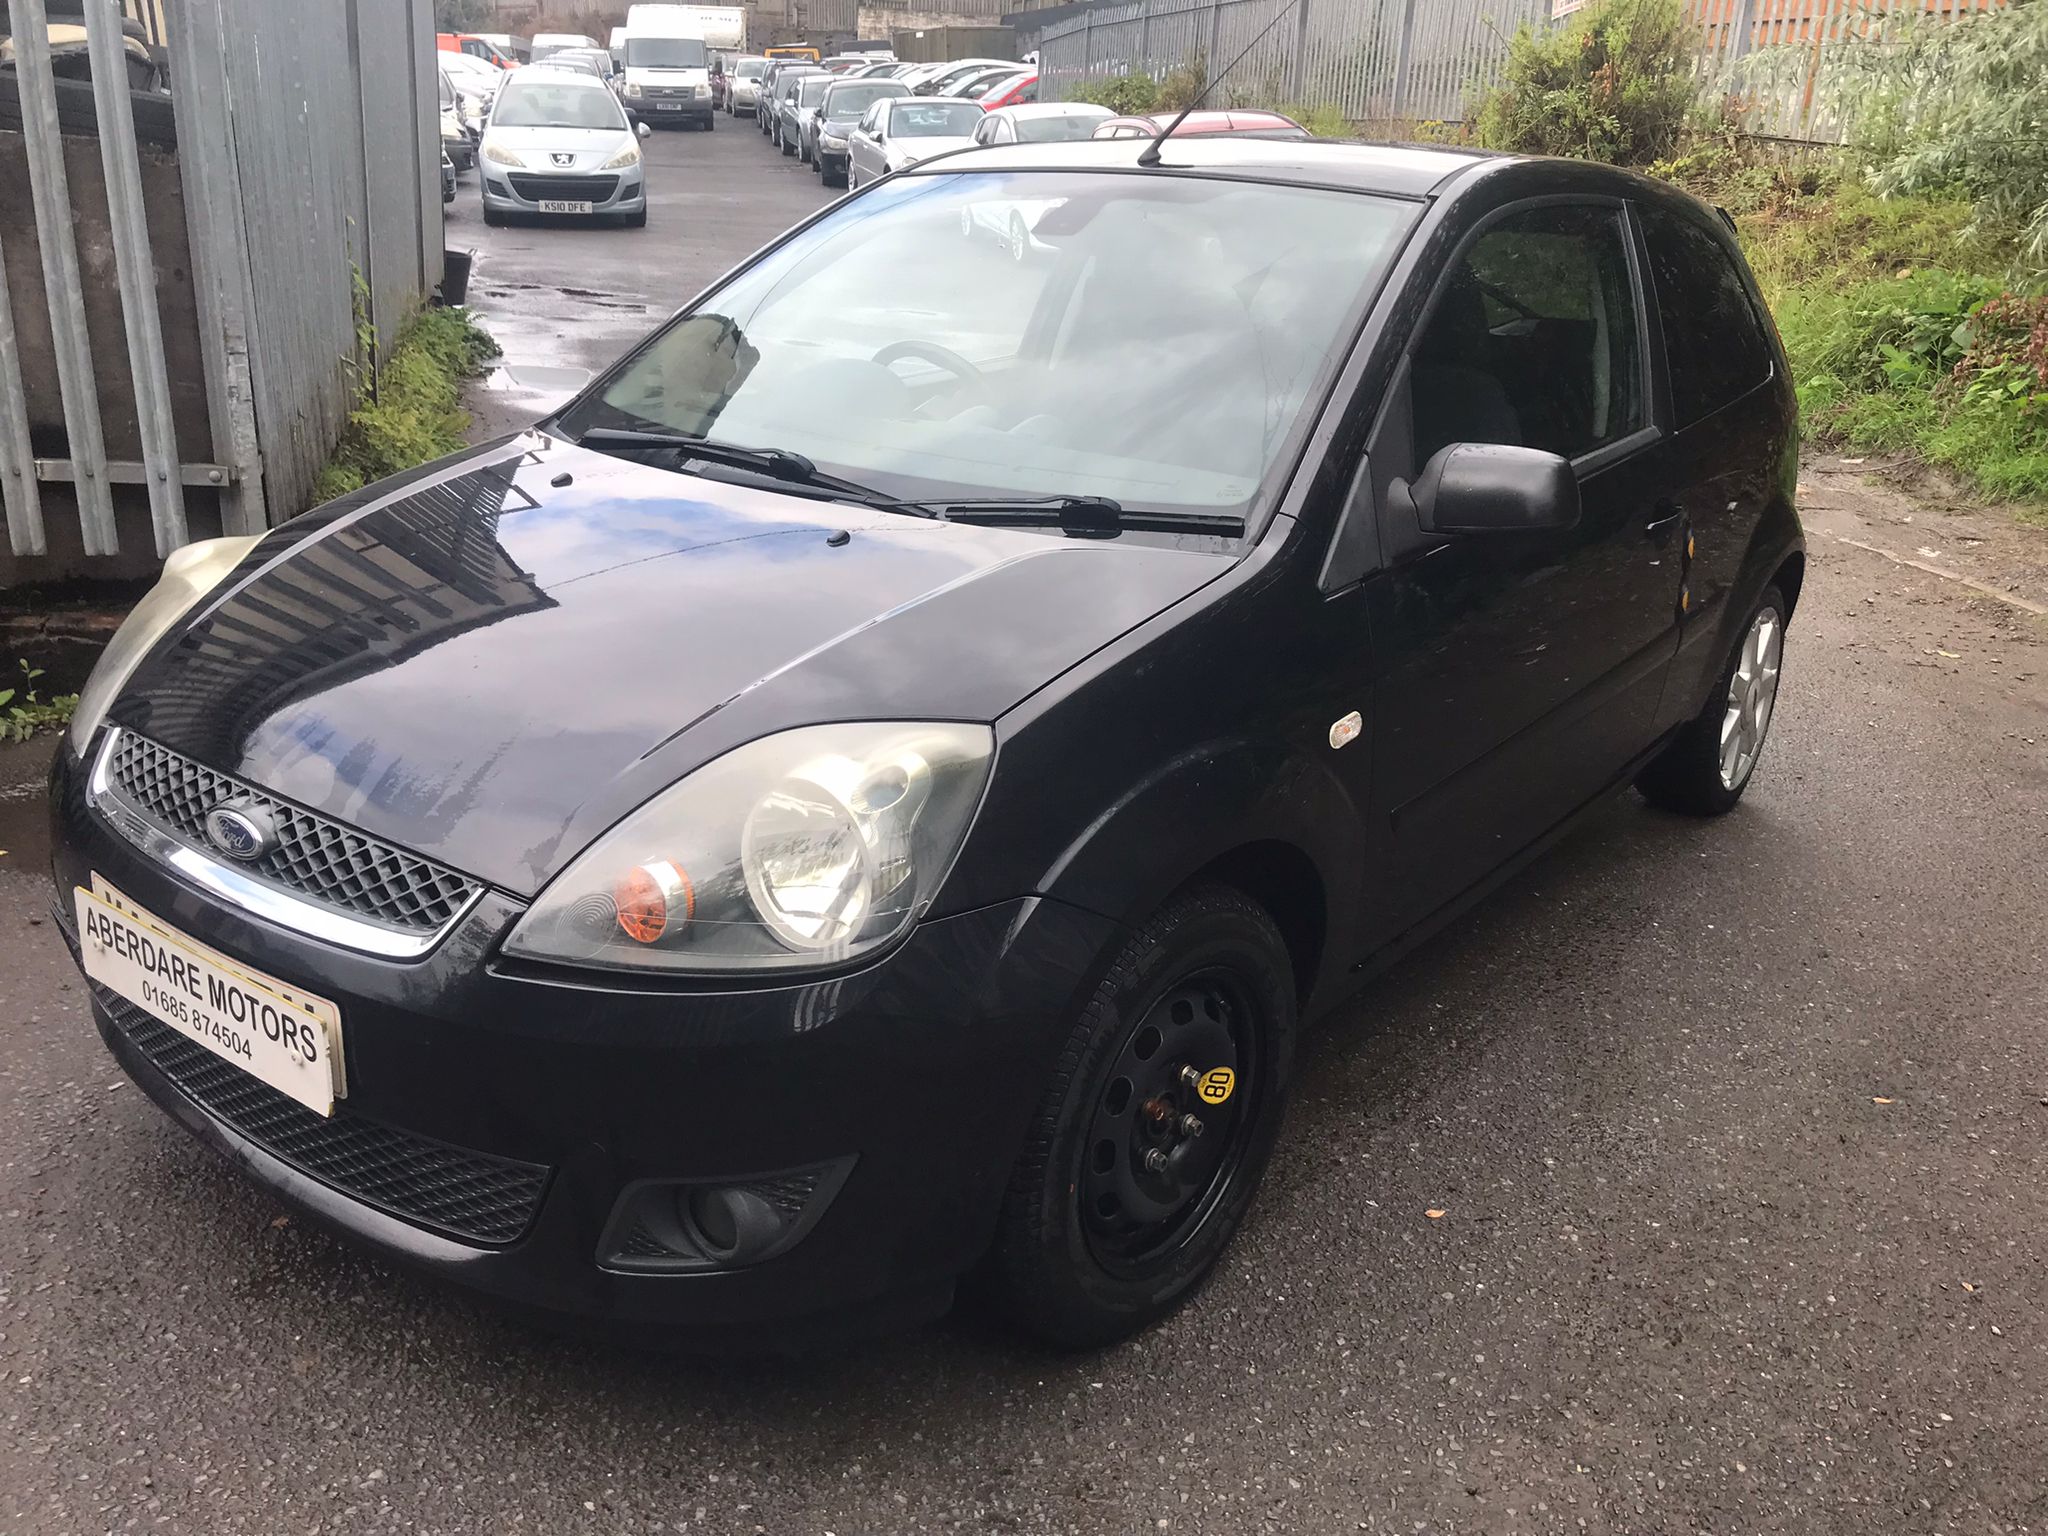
point(932, 352)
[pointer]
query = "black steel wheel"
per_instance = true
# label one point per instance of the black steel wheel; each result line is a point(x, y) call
point(1170, 1124)
point(1152, 1136)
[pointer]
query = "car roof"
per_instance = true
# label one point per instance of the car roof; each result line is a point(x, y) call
point(1209, 120)
point(1051, 109)
point(557, 74)
point(1402, 170)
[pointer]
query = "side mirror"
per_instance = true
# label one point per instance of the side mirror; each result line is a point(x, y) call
point(1495, 488)
point(642, 129)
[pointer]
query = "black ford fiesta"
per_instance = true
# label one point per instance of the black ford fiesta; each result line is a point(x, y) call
point(868, 794)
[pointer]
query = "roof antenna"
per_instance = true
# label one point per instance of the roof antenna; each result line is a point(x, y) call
point(1150, 155)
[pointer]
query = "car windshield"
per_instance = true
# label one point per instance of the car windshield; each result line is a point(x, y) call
point(1054, 128)
point(550, 104)
point(934, 119)
point(849, 101)
point(813, 89)
point(664, 53)
point(749, 69)
point(1159, 345)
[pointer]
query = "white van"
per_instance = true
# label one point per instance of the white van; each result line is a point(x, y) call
point(616, 46)
point(667, 68)
point(545, 43)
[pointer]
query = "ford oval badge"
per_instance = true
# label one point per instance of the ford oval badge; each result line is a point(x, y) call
point(241, 832)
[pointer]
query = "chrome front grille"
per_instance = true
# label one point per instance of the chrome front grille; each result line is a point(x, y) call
point(315, 859)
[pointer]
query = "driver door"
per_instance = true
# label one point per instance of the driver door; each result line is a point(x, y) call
point(1518, 673)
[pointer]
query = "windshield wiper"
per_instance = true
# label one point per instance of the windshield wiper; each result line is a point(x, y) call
point(1083, 517)
point(777, 463)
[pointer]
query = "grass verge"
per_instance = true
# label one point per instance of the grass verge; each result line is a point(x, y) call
point(414, 413)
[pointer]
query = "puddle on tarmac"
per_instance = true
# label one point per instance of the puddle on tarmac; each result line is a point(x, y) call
point(25, 806)
point(537, 389)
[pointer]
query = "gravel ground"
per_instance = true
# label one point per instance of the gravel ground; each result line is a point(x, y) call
point(1740, 1133)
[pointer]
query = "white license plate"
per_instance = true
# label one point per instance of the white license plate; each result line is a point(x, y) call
point(285, 1037)
point(668, 106)
point(562, 205)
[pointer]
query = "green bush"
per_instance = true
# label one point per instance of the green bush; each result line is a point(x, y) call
point(1615, 83)
point(414, 412)
point(1954, 107)
point(1126, 95)
point(1325, 122)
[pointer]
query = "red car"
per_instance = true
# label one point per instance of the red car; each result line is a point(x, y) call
point(1013, 93)
point(1264, 125)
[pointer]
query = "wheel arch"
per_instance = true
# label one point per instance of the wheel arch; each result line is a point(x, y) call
point(1258, 817)
point(1284, 880)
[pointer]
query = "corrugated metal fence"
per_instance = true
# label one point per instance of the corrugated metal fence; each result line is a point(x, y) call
point(285, 208)
point(1399, 62)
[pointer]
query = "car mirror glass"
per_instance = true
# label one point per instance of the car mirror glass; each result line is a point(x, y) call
point(642, 130)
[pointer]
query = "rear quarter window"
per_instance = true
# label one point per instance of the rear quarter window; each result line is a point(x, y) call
point(1714, 339)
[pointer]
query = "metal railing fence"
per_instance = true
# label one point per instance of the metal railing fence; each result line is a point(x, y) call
point(184, 314)
point(1402, 62)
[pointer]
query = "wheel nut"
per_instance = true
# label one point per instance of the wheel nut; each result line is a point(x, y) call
point(1190, 1126)
point(1155, 1161)
point(1190, 1078)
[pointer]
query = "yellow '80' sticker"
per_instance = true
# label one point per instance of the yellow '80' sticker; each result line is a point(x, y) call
point(1216, 1085)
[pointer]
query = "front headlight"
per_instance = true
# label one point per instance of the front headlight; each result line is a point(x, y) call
point(190, 573)
point(630, 155)
point(812, 847)
point(498, 154)
point(633, 88)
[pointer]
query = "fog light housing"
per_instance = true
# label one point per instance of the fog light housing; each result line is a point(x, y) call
point(667, 1226)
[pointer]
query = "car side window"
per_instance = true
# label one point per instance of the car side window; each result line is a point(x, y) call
point(1714, 341)
point(1535, 339)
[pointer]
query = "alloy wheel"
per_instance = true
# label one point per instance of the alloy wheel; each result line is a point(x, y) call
point(1752, 695)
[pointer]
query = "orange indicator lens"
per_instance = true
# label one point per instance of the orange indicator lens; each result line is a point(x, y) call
point(651, 897)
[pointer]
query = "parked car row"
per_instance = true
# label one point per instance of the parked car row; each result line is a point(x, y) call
point(855, 119)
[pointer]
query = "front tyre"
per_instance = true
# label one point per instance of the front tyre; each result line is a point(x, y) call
point(1150, 1140)
point(1705, 769)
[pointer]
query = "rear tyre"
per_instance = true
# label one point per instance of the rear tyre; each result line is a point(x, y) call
point(1117, 1210)
point(1708, 765)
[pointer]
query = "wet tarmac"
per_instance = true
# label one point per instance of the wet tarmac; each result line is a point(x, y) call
point(564, 299)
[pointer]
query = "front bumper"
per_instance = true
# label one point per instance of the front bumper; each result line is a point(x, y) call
point(919, 1073)
point(668, 109)
point(626, 191)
